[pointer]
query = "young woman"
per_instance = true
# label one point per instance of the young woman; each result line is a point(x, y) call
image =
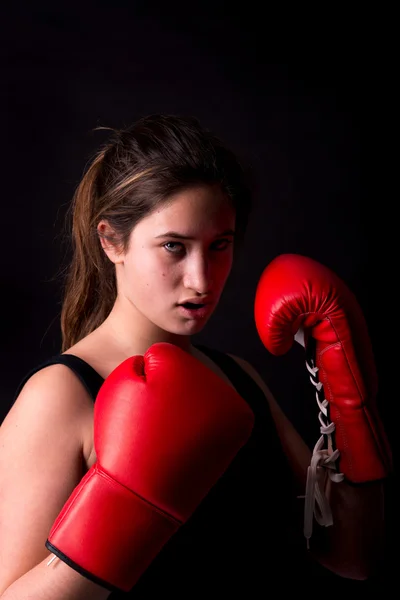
point(156, 222)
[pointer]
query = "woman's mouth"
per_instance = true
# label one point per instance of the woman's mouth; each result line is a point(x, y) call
point(194, 311)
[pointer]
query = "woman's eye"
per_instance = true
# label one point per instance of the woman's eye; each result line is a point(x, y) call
point(178, 247)
point(223, 244)
point(173, 247)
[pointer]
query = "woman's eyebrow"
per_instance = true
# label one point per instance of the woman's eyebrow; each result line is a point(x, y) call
point(175, 234)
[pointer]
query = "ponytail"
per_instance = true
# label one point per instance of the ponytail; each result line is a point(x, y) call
point(90, 287)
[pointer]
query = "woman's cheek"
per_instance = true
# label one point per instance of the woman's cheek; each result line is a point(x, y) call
point(223, 269)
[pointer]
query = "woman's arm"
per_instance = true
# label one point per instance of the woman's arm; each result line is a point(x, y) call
point(41, 461)
point(353, 546)
point(45, 582)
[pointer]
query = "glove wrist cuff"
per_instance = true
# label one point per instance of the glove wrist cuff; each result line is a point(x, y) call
point(107, 533)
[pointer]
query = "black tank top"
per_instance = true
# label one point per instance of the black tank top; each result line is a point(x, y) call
point(238, 541)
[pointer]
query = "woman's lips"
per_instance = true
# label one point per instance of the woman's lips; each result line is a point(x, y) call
point(195, 313)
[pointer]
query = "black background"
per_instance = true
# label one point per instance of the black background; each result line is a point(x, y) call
point(301, 96)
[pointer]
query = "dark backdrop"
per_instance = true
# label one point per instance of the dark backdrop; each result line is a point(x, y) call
point(293, 93)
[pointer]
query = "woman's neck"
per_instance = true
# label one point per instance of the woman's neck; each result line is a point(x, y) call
point(134, 334)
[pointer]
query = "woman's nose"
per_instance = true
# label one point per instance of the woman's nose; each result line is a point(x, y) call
point(197, 276)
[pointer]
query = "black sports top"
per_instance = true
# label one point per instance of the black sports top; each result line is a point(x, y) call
point(237, 541)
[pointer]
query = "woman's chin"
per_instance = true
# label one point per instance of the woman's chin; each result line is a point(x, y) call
point(189, 327)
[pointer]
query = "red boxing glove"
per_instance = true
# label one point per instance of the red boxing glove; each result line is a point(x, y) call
point(296, 292)
point(165, 429)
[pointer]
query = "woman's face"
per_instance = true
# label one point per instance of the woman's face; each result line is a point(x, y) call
point(180, 252)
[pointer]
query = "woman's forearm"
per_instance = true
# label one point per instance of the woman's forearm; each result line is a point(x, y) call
point(57, 580)
point(353, 547)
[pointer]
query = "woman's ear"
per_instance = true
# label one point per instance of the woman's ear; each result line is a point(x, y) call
point(109, 243)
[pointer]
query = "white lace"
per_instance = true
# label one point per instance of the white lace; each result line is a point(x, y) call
point(322, 466)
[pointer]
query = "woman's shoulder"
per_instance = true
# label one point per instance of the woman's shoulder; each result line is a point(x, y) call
point(51, 402)
point(56, 373)
point(51, 387)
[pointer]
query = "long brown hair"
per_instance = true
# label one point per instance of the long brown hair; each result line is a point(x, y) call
point(138, 168)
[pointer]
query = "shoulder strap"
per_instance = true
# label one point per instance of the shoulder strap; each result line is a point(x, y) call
point(244, 384)
point(86, 374)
